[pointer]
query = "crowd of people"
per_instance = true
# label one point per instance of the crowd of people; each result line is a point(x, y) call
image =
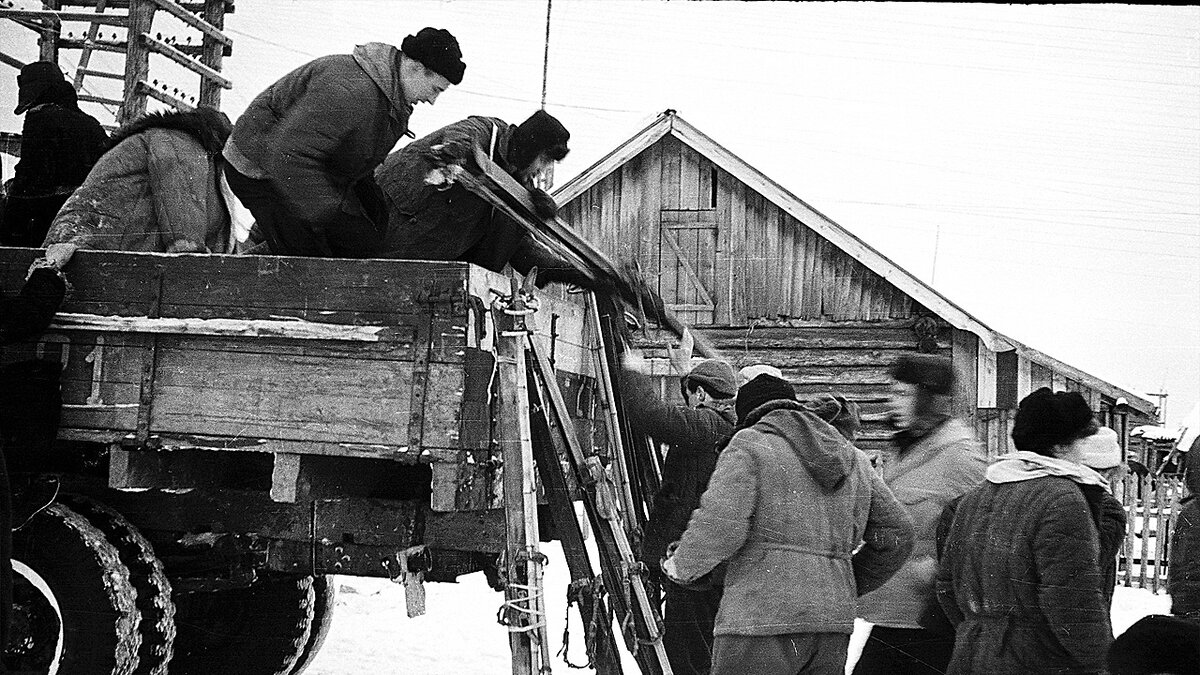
point(771, 531)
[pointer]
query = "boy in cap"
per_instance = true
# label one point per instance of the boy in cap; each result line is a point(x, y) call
point(59, 145)
point(302, 155)
point(432, 217)
point(935, 460)
point(694, 430)
point(787, 508)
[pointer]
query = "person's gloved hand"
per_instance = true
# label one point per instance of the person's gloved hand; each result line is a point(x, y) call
point(543, 204)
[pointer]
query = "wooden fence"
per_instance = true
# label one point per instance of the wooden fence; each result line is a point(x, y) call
point(1151, 504)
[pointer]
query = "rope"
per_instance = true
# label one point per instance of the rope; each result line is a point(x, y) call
point(536, 620)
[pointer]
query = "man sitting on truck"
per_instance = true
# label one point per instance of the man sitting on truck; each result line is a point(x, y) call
point(303, 153)
point(432, 217)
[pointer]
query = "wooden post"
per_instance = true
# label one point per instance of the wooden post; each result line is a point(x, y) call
point(51, 27)
point(524, 603)
point(137, 59)
point(214, 52)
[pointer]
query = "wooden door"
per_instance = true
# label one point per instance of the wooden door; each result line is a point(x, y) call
point(687, 263)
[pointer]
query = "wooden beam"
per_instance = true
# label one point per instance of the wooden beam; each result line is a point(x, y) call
point(986, 376)
point(302, 330)
point(186, 61)
point(164, 97)
point(88, 98)
point(174, 9)
point(59, 16)
point(285, 477)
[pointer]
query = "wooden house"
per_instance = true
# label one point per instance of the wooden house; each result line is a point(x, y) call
point(770, 279)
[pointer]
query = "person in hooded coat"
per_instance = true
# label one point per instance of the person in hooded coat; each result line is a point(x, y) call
point(789, 502)
point(694, 431)
point(157, 189)
point(432, 217)
point(936, 459)
point(304, 152)
point(59, 145)
point(1020, 575)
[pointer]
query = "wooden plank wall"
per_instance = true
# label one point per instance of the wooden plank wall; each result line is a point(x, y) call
point(762, 262)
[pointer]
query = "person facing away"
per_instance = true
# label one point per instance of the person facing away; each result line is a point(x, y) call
point(788, 505)
point(59, 145)
point(693, 430)
point(157, 189)
point(302, 155)
point(1183, 561)
point(30, 398)
point(935, 460)
point(432, 217)
point(1020, 575)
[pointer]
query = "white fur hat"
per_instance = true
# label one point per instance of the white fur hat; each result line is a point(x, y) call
point(1099, 451)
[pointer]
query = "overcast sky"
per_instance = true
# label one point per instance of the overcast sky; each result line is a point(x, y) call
point(1040, 165)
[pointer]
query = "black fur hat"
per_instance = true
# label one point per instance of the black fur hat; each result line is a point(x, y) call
point(759, 391)
point(1046, 419)
point(438, 51)
point(934, 373)
point(1157, 644)
point(542, 132)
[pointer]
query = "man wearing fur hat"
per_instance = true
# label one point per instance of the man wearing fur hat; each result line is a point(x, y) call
point(693, 430)
point(304, 152)
point(59, 145)
point(431, 217)
point(934, 461)
point(788, 505)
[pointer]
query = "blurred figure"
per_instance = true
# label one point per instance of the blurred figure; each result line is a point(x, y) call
point(1020, 575)
point(158, 189)
point(1183, 582)
point(789, 503)
point(935, 460)
point(59, 145)
point(1157, 645)
point(694, 430)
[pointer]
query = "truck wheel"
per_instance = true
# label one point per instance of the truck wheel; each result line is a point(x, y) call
point(154, 603)
point(324, 595)
point(74, 608)
point(260, 630)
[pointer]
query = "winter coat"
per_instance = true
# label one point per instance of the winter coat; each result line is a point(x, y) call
point(1183, 582)
point(59, 145)
point(157, 185)
point(1108, 515)
point(1020, 579)
point(694, 436)
point(315, 133)
point(787, 505)
point(924, 477)
point(428, 223)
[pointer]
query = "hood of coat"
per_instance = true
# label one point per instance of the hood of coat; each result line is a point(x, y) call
point(209, 127)
point(824, 452)
point(380, 61)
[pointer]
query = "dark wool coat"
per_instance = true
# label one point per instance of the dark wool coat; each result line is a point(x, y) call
point(59, 145)
point(788, 504)
point(314, 134)
point(1021, 580)
point(157, 185)
point(694, 436)
point(425, 223)
point(1183, 582)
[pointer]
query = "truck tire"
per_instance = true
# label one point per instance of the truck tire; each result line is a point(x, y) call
point(324, 596)
point(154, 603)
point(74, 609)
point(260, 630)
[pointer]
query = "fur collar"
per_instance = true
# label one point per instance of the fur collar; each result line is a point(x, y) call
point(209, 127)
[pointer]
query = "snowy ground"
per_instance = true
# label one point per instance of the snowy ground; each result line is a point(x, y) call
point(372, 633)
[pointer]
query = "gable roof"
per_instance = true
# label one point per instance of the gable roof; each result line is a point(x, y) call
point(669, 122)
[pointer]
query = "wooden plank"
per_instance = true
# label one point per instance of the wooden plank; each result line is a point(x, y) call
point(704, 191)
point(650, 203)
point(723, 282)
point(1057, 381)
point(59, 16)
point(1131, 529)
point(787, 263)
point(671, 150)
point(444, 486)
point(689, 178)
point(1144, 493)
point(771, 281)
point(739, 305)
point(1006, 379)
point(631, 202)
point(964, 352)
point(1024, 378)
point(986, 377)
point(706, 264)
point(205, 73)
point(214, 32)
point(1039, 376)
point(285, 477)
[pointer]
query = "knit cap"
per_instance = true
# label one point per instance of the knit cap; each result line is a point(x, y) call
point(762, 389)
point(438, 51)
